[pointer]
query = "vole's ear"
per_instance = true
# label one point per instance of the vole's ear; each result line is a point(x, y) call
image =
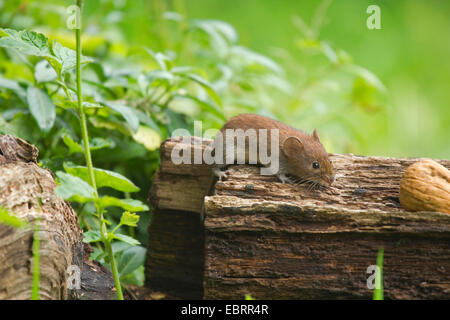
point(292, 146)
point(316, 135)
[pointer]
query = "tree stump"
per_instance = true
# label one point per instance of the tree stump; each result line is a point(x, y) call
point(26, 190)
point(282, 241)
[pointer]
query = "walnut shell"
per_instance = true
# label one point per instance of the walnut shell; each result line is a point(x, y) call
point(425, 186)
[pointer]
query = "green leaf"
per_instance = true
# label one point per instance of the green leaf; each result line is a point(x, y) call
point(131, 259)
point(43, 72)
point(163, 61)
point(8, 219)
point(329, 52)
point(206, 106)
point(173, 16)
point(126, 239)
point(119, 246)
point(26, 42)
point(127, 113)
point(66, 57)
point(101, 143)
point(103, 178)
point(92, 236)
point(218, 41)
point(41, 107)
point(225, 29)
point(368, 76)
point(205, 84)
point(158, 77)
point(136, 278)
point(90, 105)
point(126, 204)
point(129, 219)
point(250, 59)
point(14, 86)
point(73, 188)
point(147, 120)
point(36, 44)
point(147, 137)
point(95, 144)
point(74, 147)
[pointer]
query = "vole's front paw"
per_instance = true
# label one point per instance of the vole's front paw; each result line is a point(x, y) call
point(222, 175)
point(283, 178)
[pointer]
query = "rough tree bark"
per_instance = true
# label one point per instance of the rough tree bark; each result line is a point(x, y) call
point(281, 241)
point(26, 190)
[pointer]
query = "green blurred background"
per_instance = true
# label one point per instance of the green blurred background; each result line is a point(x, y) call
point(410, 55)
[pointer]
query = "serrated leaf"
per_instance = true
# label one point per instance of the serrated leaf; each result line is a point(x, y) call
point(126, 204)
point(92, 236)
point(26, 42)
point(41, 107)
point(103, 178)
point(32, 43)
point(67, 57)
point(129, 219)
point(126, 239)
point(131, 259)
point(73, 188)
point(127, 113)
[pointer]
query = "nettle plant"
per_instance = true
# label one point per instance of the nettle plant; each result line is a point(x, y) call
point(79, 183)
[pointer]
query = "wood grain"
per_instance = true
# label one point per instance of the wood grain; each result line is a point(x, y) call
point(283, 241)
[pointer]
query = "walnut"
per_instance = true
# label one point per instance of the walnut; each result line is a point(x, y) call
point(425, 186)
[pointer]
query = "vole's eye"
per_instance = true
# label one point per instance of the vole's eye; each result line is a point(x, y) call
point(315, 165)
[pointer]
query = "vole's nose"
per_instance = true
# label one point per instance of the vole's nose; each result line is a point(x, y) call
point(331, 179)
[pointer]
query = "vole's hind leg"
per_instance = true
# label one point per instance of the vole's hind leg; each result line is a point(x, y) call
point(220, 172)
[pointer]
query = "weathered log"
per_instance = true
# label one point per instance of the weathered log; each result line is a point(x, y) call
point(282, 241)
point(26, 190)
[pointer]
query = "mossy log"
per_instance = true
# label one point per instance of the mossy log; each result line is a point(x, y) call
point(283, 241)
point(26, 191)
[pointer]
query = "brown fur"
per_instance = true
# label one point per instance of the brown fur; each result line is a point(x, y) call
point(297, 155)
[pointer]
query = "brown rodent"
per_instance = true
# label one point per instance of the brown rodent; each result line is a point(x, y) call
point(302, 157)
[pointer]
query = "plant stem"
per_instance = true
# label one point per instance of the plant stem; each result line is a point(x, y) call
point(114, 269)
point(378, 292)
point(36, 268)
point(87, 153)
